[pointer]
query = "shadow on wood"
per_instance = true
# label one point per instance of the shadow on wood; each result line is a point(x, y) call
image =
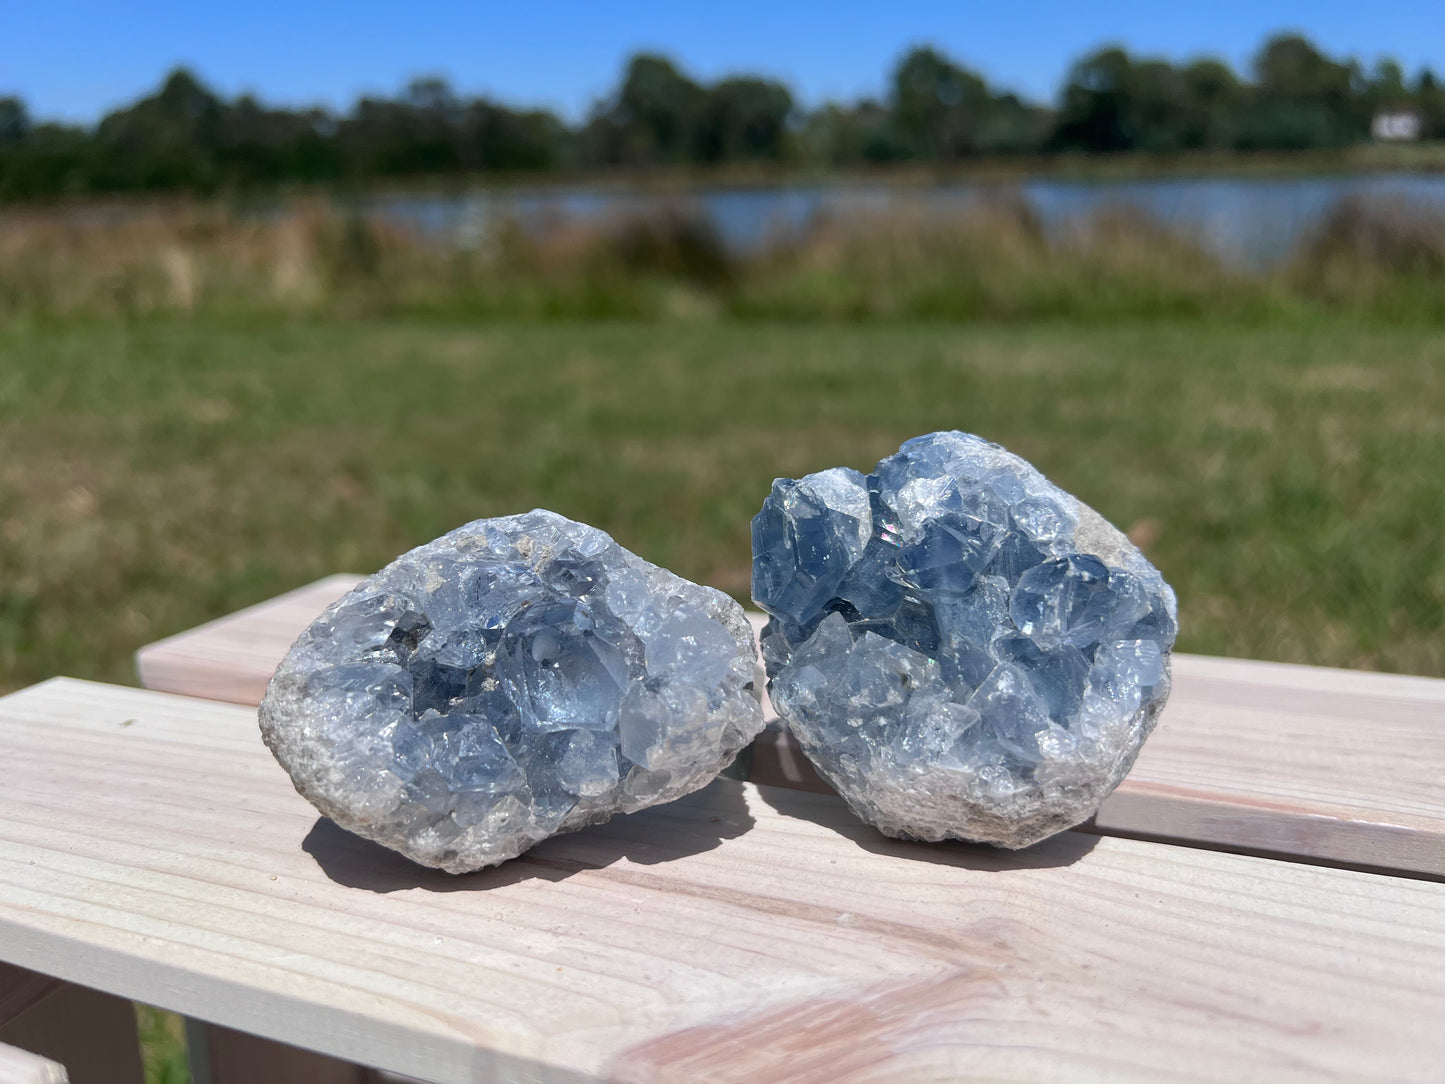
point(1064, 849)
point(646, 838)
point(1334, 767)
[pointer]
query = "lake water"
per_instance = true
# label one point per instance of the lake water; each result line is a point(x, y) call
point(1253, 222)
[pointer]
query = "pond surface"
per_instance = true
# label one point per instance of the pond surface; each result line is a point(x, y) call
point(1254, 222)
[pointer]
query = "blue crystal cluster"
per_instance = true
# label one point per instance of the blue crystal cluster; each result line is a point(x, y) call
point(963, 649)
point(514, 679)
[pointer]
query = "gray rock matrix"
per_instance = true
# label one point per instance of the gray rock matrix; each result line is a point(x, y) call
point(962, 649)
point(516, 678)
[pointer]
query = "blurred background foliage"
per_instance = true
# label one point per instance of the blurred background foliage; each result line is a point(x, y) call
point(186, 137)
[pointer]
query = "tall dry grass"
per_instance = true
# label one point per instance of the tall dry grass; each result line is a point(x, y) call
point(993, 262)
point(1385, 256)
point(186, 258)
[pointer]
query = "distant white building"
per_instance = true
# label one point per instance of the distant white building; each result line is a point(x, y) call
point(1396, 126)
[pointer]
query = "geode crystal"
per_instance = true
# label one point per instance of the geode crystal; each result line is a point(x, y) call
point(963, 649)
point(516, 678)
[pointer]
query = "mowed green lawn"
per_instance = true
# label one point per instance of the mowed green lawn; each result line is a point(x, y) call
point(1287, 479)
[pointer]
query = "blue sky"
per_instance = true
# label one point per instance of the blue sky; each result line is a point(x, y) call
point(74, 60)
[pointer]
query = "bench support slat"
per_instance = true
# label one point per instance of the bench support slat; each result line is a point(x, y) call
point(92, 1034)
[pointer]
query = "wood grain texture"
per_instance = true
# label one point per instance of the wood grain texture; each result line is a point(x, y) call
point(150, 847)
point(1334, 766)
point(22, 1067)
point(233, 657)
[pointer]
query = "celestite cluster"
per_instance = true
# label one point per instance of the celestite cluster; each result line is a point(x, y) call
point(963, 649)
point(516, 678)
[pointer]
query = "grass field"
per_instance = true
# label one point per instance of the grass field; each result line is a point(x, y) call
point(1287, 479)
point(1286, 476)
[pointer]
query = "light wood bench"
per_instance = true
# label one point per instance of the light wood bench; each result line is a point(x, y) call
point(1333, 766)
point(150, 848)
point(194, 878)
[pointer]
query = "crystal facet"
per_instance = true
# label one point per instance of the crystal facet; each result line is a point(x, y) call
point(963, 649)
point(516, 678)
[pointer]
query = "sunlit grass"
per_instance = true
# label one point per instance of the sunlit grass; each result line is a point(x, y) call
point(1285, 476)
point(163, 1046)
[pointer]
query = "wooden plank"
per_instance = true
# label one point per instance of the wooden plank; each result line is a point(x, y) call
point(1339, 767)
point(90, 1032)
point(1333, 766)
point(233, 657)
point(150, 846)
point(22, 1067)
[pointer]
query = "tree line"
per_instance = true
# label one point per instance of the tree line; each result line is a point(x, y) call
point(187, 137)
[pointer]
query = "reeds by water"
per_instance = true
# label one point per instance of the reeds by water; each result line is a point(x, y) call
point(992, 262)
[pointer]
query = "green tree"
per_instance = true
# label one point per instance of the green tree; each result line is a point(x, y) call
point(845, 135)
point(49, 158)
point(415, 133)
point(1304, 99)
point(1012, 126)
point(938, 106)
point(1214, 103)
point(185, 136)
point(1387, 84)
point(744, 118)
point(1158, 106)
point(497, 138)
point(658, 110)
point(167, 140)
point(1096, 108)
point(14, 122)
point(1429, 97)
point(266, 146)
point(1113, 102)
